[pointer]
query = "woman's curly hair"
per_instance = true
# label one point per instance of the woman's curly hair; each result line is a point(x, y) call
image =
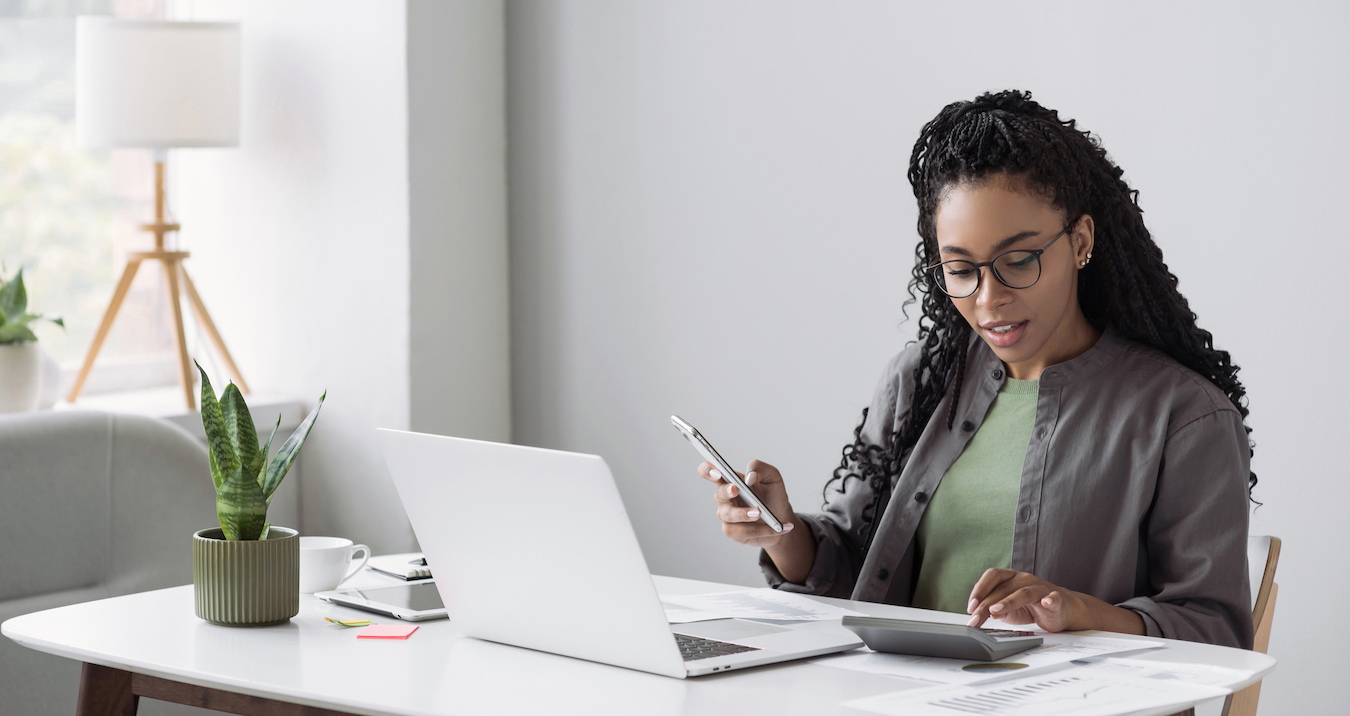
point(1126, 285)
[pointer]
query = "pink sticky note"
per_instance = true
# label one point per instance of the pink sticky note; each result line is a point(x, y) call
point(387, 631)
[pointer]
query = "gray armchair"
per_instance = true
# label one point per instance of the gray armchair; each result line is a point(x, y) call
point(93, 505)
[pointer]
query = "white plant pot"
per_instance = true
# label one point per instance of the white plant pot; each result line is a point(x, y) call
point(49, 390)
point(20, 376)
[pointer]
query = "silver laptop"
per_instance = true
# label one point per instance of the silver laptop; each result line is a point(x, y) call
point(533, 548)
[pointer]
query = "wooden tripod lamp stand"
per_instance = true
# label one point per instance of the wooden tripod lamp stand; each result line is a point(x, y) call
point(158, 85)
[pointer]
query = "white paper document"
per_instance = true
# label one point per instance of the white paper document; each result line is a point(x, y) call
point(1057, 649)
point(1088, 690)
point(1171, 671)
point(749, 604)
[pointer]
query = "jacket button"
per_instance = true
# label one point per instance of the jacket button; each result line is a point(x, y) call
point(998, 374)
point(883, 574)
point(921, 497)
point(967, 426)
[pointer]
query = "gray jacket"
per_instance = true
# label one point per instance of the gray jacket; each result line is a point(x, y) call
point(1134, 490)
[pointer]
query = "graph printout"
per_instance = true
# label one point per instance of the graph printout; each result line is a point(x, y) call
point(1074, 691)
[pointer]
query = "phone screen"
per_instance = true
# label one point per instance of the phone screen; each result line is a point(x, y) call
point(729, 474)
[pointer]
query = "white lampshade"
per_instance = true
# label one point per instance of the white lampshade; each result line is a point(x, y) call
point(156, 84)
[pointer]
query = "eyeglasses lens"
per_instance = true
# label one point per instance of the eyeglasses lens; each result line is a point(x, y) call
point(1018, 269)
point(957, 279)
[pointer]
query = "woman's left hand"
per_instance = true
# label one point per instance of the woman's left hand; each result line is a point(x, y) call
point(1021, 598)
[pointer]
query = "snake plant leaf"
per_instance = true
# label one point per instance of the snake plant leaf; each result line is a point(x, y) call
point(266, 528)
point(58, 321)
point(239, 424)
point(224, 460)
point(13, 297)
point(281, 464)
point(260, 460)
point(217, 476)
point(240, 505)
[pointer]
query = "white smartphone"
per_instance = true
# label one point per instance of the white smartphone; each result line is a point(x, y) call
point(413, 602)
point(705, 449)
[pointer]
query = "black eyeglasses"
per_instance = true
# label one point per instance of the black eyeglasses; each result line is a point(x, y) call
point(1020, 268)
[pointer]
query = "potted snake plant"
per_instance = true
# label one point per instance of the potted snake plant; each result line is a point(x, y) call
point(246, 572)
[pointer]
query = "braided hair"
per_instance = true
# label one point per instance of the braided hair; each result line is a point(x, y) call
point(1127, 285)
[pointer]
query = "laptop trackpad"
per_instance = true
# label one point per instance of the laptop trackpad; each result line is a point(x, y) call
point(727, 629)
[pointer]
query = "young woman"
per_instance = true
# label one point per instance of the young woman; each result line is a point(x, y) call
point(1063, 445)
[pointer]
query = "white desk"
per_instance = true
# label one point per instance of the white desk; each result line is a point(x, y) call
point(154, 645)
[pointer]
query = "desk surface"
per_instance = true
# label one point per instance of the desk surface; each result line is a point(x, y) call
point(437, 672)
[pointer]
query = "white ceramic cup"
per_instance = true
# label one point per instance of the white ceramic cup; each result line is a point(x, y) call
point(326, 562)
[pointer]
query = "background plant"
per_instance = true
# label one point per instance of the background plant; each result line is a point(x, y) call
point(14, 315)
point(245, 480)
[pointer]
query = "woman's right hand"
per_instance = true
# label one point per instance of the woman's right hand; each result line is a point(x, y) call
point(742, 522)
point(793, 552)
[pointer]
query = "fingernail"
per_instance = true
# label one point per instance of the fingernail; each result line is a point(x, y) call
point(751, 478)
point(996, 608)
point(1047, 601)
point(731, 490)
point(715, 473)
point(787, 527)
point(973, 621)
point(971, 606)
point(753, 514)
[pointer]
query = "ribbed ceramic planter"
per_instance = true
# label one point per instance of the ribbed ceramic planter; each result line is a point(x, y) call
point(246, 582)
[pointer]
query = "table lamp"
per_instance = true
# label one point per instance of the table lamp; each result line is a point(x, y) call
point(158, 85)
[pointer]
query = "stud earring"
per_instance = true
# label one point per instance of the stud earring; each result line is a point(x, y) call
point(1082, 264)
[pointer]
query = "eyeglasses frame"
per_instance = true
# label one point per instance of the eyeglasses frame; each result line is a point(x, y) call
point(979, 275)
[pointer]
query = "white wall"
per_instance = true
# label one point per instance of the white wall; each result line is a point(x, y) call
point(356, 241)
point(300, 240)
point(709, 216)
point(460, 362)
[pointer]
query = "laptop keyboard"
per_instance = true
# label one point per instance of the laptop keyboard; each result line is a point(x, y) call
point(693, 648)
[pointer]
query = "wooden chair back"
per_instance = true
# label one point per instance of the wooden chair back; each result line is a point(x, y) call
point(1260, 550)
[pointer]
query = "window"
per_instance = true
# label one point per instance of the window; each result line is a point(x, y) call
point(69, 215)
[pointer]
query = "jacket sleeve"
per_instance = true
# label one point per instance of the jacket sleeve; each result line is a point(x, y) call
point(1196, 536)
point(842, 527)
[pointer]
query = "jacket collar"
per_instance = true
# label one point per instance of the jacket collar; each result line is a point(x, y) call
point(988, 366)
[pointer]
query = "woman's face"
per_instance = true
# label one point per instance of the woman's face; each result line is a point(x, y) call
point(1028, 328)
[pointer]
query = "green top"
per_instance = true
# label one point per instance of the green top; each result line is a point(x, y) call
point(968, 526)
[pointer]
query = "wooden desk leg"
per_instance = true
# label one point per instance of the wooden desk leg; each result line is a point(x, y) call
point(152, 687)
point(105, 692)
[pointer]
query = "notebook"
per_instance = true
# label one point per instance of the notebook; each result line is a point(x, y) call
point(407, 566)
